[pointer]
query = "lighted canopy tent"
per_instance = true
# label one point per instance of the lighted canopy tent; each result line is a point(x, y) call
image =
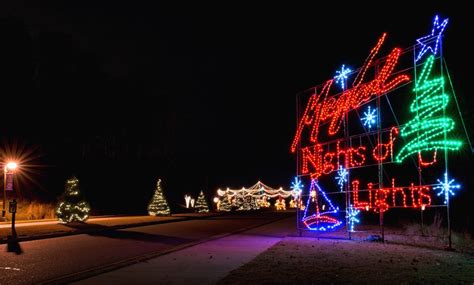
point(378, 137)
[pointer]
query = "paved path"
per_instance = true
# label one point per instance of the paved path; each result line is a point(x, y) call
point(109, 220)
point(47, 229)
point(205, 263)
point(54, 258)
point(20, 224)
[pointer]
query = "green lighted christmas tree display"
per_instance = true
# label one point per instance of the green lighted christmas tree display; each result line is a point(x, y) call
point(72, 207)
point(158, 204)
point(201, 204)
point(429, 127)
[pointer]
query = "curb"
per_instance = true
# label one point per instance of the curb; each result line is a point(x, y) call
point(134, 260)
point(95, 230)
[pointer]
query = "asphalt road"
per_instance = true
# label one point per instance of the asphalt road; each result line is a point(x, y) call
point(47, 259)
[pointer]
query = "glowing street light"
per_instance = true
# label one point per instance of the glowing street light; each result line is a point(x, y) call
point(8, 169)
point(11, 165)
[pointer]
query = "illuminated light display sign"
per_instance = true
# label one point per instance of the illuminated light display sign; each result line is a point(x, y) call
point(381, 199)
point(322, 107)
point(318, 161)
point(357, 133)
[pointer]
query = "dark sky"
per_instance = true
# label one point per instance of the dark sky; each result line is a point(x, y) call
point(120, 94)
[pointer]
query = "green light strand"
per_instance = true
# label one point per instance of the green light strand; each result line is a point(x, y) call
point(430, 128)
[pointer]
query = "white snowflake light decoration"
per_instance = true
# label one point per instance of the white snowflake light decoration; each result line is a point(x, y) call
point(446, 187)
point(297, 187)
point(341, 76)
point(370, 117)
point(351, 215)
point(341, 177)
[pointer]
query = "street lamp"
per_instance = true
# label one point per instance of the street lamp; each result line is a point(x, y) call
point(11, 165)
point(9, 168)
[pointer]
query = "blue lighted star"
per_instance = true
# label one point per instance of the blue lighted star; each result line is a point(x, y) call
point(351, 215)
point(342, 75)
point(369, 117)
point(446, 187)
point(341, 176)
point(427, 42)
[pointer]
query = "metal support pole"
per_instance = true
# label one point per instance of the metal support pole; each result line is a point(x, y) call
point(421, 214)
point(450, 245)
point(4, 192)
point(382, 226)
point(445, 149)
point(299, 201)
point(380, 164)
point(347, 190)
point(13, 220)
point(346, 186)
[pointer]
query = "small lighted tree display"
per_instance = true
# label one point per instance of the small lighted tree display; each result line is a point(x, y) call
point(158, 204)
point(72, 207)
point(201, 204)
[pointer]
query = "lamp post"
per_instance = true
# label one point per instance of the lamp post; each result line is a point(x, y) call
point(9, 168)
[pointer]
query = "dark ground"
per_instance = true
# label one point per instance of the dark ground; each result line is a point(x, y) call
point(312, 261)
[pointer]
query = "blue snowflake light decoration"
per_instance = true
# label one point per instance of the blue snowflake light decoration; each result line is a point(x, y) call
point(297, 187)
point(370, 117)
point(446, 187)
point(341, 76)
point(351, 215)
point(428, 43)
point(341, 177)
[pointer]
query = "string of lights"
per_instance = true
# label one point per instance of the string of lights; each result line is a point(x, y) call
point(428, 130)
point(318, 220)
point(424, 135)
point(255, 197)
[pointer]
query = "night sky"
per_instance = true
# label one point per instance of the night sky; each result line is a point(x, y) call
point(121, 94)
